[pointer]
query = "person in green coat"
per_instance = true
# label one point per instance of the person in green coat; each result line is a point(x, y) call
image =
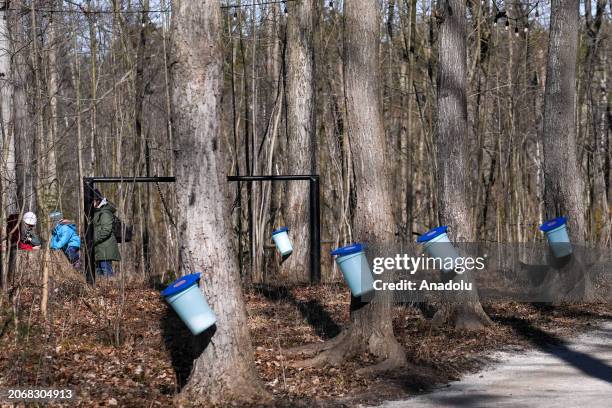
point(106, 249)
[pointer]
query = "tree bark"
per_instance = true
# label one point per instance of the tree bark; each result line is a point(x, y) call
point(140, 142)
point(371, 326)
point(93, 105)
point(52, 187)
point(8, 182)
point(463, 309)
point(40, 158)
point(596, 88)
point(75, 77)
point(301, 150)
point(225, 369)
point(563, 185)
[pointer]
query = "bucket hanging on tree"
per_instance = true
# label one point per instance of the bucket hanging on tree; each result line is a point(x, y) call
point(355, 268)
point(189, 303)
point(282, 242)
point(558, 238)
point(437, 245)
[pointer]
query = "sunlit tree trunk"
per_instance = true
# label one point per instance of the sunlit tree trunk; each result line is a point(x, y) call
point(563, 184)
point(40, 156)
point(452, 153)
point(225, 368)
point(370, 326)
point(596, 88)
point(8, 181)
point(301, 150)
point(93, 105)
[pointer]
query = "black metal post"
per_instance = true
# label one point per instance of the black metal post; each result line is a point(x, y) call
point(89, 261)
point(315, 231)
point(314, 210)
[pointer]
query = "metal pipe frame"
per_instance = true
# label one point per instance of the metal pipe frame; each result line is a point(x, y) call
point(314, 210)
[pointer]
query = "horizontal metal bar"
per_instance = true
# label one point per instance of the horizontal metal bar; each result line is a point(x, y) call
point(127, 179)
point(274, 178)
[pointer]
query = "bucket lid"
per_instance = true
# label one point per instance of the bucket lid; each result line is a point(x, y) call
point(552, 224)
point(281, 229)
point(181, 284)
point(349, 249)
point(432, 233)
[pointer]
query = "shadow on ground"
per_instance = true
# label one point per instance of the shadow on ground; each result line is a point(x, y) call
point(556, 346)
point(314, 313)
point(547, 308)
point(183, 346)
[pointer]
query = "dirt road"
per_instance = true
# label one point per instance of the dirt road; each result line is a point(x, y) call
point(577, 373)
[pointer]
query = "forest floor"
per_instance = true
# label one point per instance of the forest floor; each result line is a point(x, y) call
point(127, 348)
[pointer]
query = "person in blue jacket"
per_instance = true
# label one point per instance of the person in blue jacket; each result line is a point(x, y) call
point(65, 237)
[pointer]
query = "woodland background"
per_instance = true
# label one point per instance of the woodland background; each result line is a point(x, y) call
point(86, 87)
point(488, 116)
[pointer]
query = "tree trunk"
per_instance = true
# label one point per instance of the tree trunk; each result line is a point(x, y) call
point(40, 159)
point(140, 148)
point(22, 125)
point(225, 368)
point(75, 77)
point(93, 106)
point(371, 327)
point(563, 186)
point(51, 189)
point(597, 101)
point(463, 309)
point(301, 150)
point(8, 182)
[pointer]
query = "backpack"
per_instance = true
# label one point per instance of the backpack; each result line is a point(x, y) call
point(123, 233)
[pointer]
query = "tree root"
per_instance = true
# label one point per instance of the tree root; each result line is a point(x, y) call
point(468, 316)
point(352, 342)
point(314, 348)
point(244, 392)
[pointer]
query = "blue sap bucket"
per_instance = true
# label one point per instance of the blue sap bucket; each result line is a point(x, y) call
point(437, 245)
point(188, 301)
point(558, 239)
point(354, 265)
point(282, 242)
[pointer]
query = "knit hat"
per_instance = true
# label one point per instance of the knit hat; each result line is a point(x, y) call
point(56, 216)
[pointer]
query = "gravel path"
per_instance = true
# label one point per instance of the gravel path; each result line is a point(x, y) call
point(576, 374)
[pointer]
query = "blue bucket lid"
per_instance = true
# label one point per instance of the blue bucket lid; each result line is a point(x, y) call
point(432, 233)
point(349, 249)
point(181, 284)
point(552, 224)
point(281, 229)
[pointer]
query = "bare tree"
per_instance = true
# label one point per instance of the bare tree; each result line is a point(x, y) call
point(371, 324)
point(301, 149)
point(8, 187)
point(595, 84)
point(225, 369)
point(452, 154)
point(563, 184)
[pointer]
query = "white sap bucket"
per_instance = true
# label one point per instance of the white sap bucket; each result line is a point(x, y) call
point(437, 245)
point(355, 268)
point(558, 238)
point(189, 303)
point(282, 242)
